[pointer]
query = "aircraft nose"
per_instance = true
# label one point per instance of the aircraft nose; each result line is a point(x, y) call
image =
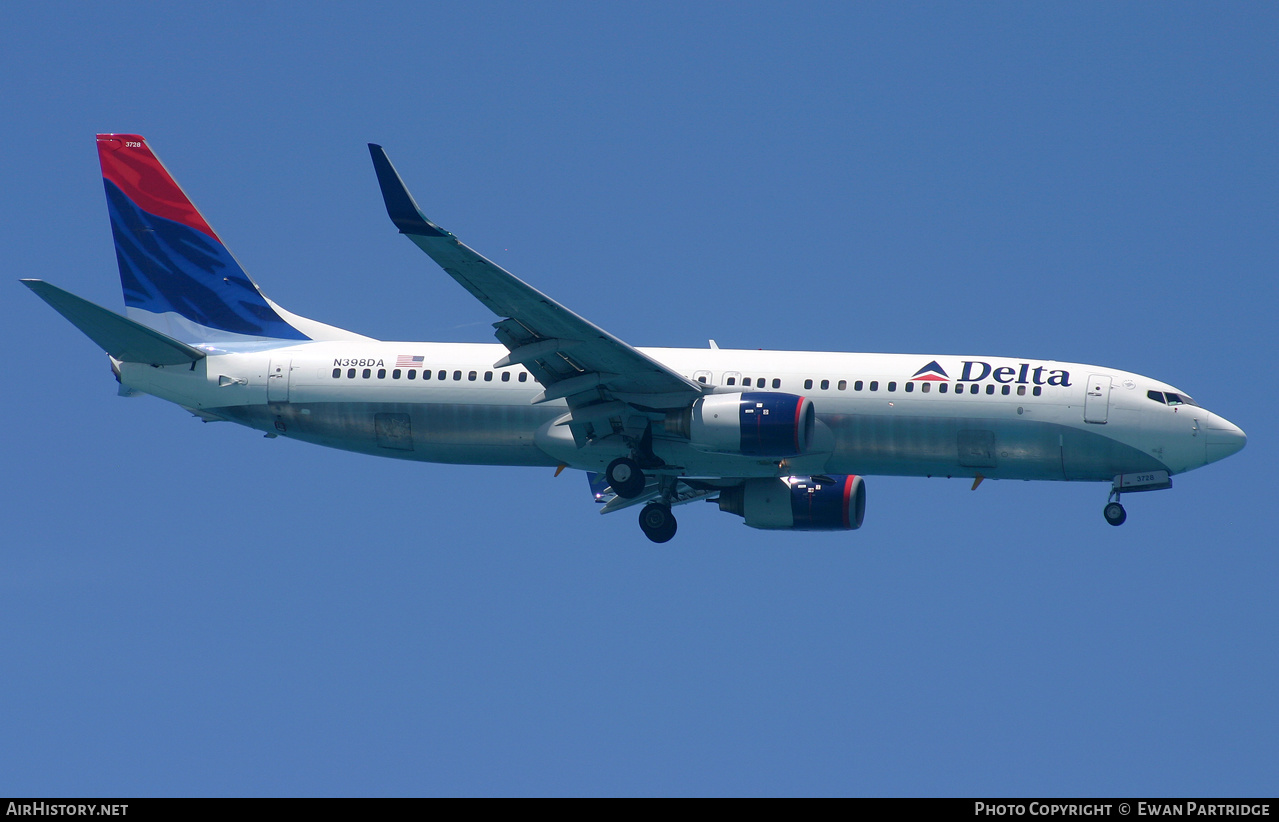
point(1222, 438)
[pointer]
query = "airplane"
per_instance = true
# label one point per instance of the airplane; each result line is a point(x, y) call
point(782, 439)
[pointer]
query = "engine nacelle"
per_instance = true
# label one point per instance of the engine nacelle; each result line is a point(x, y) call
point(755, 423)
point(833, 503)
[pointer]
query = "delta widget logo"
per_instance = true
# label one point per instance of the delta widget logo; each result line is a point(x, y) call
point(931, 372)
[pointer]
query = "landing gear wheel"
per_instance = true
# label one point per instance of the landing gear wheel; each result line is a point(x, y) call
point(1115, 513)
point(657, 522)
point(626, 478)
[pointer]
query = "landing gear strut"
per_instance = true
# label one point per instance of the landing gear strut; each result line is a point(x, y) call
point(657, 522)
point(625, 476)
point(1114, 512)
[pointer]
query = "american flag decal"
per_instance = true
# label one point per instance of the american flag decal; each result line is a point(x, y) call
point(405, 361)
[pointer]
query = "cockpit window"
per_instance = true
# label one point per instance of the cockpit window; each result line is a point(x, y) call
point(1179, 399)
point(1157, 396)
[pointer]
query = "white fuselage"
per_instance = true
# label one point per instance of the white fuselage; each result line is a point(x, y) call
point(877, 415)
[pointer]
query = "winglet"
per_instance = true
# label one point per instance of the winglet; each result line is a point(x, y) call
point(122, 338)
point(400, 205)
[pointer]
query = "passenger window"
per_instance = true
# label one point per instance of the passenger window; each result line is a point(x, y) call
point(746, 381)
point(892, 386)
point(443, 375)
point(974, 389)
point(777, 383)
point(843, 385)
point(368, 372)
point(990, 389)
point(412, 375)
point(857, 386)
point(350, 373)
point(702, 380)
point(395, 375)
point(910, 386)
point(337, 372)
point(1021, 390)
point(825, 385)
point(457, 375)
point(732, 380)
point(523, 376)
point(925, 387)
point(488, 376)
point(506, 376)
point(874, 385)
point(381, 373)
point(808, 384)
point(1006, 390)
point(1038, 390)
point(943, 387)
point(471, 376)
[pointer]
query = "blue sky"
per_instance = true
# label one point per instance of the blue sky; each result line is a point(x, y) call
point(191, 609)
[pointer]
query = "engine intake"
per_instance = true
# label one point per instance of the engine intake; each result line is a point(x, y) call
point(755, 423)
point(833, 503)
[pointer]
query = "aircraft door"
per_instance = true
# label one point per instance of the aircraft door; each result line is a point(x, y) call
point(277, 380)
point(1097, 399)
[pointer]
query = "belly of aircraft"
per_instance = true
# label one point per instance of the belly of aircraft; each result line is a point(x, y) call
point(863, 444)
point(434, 432)
point(999, 449)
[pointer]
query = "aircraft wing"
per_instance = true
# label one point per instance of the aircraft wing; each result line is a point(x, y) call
point(570, 356)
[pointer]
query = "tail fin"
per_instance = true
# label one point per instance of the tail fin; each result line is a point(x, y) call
point(178, 276)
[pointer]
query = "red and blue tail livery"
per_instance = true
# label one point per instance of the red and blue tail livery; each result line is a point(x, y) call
point(177, 274)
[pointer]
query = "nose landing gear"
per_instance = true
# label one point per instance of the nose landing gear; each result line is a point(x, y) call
point(1131, 483)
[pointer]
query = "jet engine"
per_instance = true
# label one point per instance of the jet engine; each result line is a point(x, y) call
point(822, 503)
point(754, 423)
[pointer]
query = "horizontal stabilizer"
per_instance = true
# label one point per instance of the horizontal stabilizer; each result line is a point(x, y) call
point(120, 337)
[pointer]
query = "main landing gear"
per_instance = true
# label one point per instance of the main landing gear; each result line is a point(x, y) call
point(627, 479)
point(657, 522)
point(626, 474)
